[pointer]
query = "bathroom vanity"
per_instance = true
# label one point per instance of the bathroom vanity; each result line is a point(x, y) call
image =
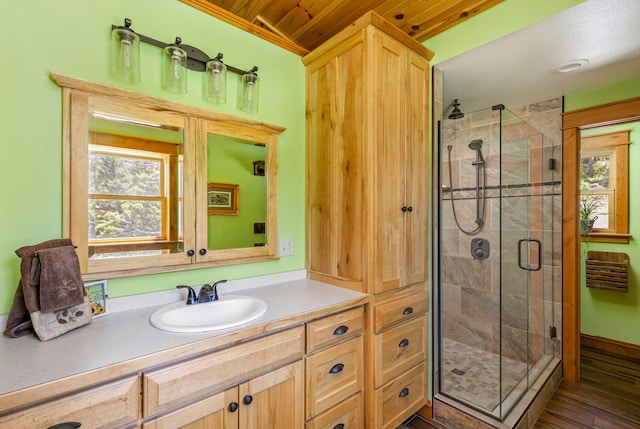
point(298, 365)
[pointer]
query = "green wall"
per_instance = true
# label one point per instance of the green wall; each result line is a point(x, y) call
point(72, 37)
point(231, 161)
point(605, 313)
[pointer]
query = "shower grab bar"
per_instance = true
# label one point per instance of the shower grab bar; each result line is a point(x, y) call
point(528, 267)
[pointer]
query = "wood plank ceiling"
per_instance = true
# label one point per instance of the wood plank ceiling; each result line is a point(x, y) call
point(302, 25)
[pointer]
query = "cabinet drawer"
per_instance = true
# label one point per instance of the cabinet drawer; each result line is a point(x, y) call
point(333, 375)
point(112, 405)
point(397, 309)
point(398, 400)
point(211, 412)
point(399, 349)
point(168, 387)
point(332, 329)
point(347, 413)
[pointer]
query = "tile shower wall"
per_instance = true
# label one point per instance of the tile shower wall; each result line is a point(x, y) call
point(471, 295)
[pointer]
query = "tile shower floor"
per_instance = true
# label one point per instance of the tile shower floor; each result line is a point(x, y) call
point(473, 375)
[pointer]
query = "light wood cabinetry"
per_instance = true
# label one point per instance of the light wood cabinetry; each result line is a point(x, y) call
point(268, 401)
point(367, 135)
point(334, 370)
point(260, 381)
point(367, 199)
point(175, 384)
point(111, 405)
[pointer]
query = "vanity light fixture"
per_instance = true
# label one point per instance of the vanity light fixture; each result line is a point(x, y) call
point(250, 91)
point(174, 68)
point(125, 53)
point(216, 81)
point(177, 59)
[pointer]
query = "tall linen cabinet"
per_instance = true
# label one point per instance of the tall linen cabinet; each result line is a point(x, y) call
point(367, 200)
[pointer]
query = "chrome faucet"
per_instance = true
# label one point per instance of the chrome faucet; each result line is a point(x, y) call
point(208, 293)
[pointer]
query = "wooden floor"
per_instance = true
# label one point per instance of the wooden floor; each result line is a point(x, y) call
point(607, 397)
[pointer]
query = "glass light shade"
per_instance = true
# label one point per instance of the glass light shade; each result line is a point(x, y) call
point(250, 92)
point(216, 82)
point(174, 67)
point(125, 55)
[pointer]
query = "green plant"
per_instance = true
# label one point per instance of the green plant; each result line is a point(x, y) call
point(589, 204)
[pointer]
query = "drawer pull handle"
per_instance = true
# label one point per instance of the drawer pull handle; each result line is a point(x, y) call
point(233, 407)
point(407, 311)
point(65, 425)
point(340, 330)
point(339, 426)
point(404, 392)
point(337, 368)
point(248, 399)
point(404, 343)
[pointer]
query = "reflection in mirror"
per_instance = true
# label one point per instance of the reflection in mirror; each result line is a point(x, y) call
point(237, 197)
point(135, 188)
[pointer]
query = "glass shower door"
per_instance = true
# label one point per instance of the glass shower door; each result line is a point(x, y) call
point(517, 248)
point(499, 209)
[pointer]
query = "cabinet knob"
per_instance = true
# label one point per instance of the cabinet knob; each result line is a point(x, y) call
point(407, 311)
point(233, 407)
point(404, 343)
point(404, 392)
point(203, 252)
point(337, 368)
point(191, 252)
point(65, 425)
point(409, 209)
point(339, 426)
point(340, 330)
point(248, 399)
point(404, 209)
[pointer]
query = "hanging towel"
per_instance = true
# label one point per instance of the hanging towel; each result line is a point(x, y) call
point(26, 315)
point(57, 271)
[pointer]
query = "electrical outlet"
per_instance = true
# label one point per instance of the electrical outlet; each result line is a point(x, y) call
point(286, 246)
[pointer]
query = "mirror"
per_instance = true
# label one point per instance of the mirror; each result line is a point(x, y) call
point(154, 186)
point(135, 188)
point(237, 193)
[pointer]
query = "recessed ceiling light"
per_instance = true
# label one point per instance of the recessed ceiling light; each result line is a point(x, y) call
point(570, 66)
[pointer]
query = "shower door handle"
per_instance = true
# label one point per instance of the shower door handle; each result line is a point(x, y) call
point(528, 267)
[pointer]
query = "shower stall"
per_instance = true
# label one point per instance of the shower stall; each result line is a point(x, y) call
point(497, 259)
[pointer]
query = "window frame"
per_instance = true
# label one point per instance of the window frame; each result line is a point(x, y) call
point(618, 143)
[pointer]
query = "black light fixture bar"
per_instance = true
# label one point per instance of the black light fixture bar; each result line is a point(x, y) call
point(196, 59)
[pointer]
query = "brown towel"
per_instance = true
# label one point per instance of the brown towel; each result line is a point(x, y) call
point(27, 297)
point(57, 271)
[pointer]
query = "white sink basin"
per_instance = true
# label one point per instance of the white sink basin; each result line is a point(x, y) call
point(228, 311)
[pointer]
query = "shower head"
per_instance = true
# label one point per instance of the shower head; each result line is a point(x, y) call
point(475, 144)
point(456, 113)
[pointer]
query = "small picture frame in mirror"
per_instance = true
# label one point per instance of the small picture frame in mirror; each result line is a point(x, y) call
point(222, 199)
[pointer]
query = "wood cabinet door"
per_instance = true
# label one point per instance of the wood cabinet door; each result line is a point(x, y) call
point(416, 240)
point(274, 400)
point(387, 133)
point(214, 412)
point(337, 215)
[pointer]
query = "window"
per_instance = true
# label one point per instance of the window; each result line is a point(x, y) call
point(604, 185)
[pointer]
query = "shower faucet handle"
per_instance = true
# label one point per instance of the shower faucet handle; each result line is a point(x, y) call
point(480, 249)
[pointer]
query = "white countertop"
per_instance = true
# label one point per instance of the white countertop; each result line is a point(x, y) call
point(127, 335)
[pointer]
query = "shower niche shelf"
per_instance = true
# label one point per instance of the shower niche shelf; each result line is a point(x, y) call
point(607, 270)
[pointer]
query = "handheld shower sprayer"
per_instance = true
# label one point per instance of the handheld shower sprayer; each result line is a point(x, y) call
point(480, 197)
point(477, 146)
